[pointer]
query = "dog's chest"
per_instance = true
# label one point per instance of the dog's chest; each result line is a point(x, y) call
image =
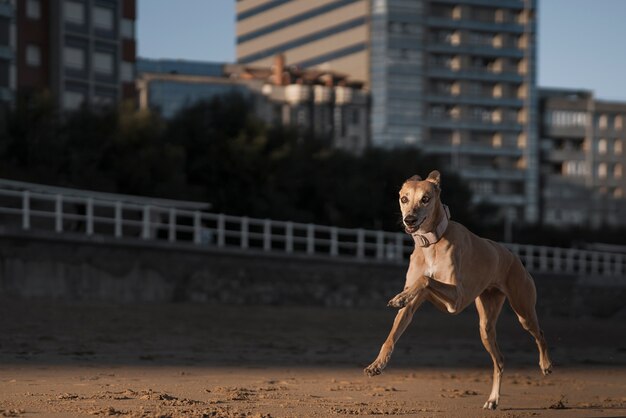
point(438, 265)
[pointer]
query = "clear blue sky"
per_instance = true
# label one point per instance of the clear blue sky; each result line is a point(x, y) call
point(582, 43)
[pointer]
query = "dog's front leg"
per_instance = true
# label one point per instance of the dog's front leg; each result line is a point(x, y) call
point(403, 319)
point(403, 298)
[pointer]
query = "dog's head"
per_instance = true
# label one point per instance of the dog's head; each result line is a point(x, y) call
point(419, 201)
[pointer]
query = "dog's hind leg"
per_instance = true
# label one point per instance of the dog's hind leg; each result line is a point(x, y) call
point(402, 320)
point(489, 305)
point(522, 296)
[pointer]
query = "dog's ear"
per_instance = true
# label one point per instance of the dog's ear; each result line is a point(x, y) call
point(434, 177)
point(415, 178)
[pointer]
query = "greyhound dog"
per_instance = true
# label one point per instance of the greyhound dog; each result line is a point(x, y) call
point(451, 267)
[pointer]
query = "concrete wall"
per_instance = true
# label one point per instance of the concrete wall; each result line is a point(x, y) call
point(38, 266)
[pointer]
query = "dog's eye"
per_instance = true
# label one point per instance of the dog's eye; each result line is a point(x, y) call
point(404, 199)
point(425, 199)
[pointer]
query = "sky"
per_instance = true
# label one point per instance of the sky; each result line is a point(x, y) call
point(582, 43)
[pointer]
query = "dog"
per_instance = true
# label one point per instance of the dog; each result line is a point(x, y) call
point(451, 267)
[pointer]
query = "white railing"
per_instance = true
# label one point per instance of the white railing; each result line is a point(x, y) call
point(25, 210)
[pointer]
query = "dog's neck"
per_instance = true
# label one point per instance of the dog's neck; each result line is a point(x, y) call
point(428, 238)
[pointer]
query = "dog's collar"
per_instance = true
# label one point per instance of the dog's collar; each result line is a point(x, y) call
point(430, 238)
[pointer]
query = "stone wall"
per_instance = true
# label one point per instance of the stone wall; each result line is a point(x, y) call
point(80, 269)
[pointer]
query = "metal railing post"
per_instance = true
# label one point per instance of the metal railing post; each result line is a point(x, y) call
point(171, 233)
point(310, 239)
point(145, 233)
point(289, 237)
point(221, 230)
point(58, 213)
point(267, 235)
point(399, 247)
point(197, 228)
point(118, 219)
point(244, 232)
point(334, 245)
point(26, 209)
point(360, 244)
point(543, 259)
point(89, 228)
point(380, 245)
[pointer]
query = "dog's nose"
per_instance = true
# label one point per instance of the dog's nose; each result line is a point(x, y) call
point(410, 220)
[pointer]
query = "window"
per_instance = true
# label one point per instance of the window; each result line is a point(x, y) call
point(74, 58)
point(602, 170)
point(74, 12)
point(617, 171)
point(127, 29)
point(602, 146)
point(617, 147)
point(33, 55)
point(72, 100)
point(103, 18)
point(603, 121)
point(618, 193)
point(103, 63)
point(618, 122)
point(33, 9)
point(127, 71)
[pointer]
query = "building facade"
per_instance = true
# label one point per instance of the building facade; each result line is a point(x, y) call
point(454, 78)
point(582, 159)
point(322, 104)
point(81, 51)
point(7, 54)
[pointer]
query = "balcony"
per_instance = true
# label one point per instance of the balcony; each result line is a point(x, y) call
point(500, 199)
point(471, 124)
point(560, 155)
point(434, 147)
point(475, 100)
point(509, 4)
point(474, 74)
point(485, 173)
point(475, 49)
point(449, 23)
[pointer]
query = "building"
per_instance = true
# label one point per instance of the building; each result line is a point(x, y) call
point(582, 159)
point(168, 86)
point(320, 103)
point(81, 51)
point(455, 78)
point(7, 54)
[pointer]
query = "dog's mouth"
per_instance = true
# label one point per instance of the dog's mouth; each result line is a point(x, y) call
point(413, 229)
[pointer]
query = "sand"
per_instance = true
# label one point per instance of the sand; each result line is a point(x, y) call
point(182, 360)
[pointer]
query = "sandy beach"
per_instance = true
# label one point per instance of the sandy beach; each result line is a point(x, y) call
point(180, 360)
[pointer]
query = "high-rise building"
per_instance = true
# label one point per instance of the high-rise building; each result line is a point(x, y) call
point(81, 51)
point(7, 53)
point(582, 159)
point(454, 78)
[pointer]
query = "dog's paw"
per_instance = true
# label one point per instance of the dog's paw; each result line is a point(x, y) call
point(491, 405)
point(373, 369)
point(399, 301)
point(546, 370)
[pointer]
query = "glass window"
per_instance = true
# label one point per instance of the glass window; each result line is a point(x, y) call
point(602, 146)
point(103, 18)
point(617, 147)
point(603, 121)
point(618, 122)
point(128, 29)
point(33, 56)
point(127, 71)
point(33, 9)
point(72, 100)
point(74, 58)
point(74, 12)
point(617, 171)
point(103, 63)
point(602, 170)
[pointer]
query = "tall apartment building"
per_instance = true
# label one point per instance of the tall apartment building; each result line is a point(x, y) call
point(455, 78)
point(7, 53)
point(582, 159)
point(81, 51)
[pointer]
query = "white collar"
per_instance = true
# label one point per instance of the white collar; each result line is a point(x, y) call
point(430, 238)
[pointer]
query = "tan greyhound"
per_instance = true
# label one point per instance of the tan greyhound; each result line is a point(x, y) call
point(451, 267)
